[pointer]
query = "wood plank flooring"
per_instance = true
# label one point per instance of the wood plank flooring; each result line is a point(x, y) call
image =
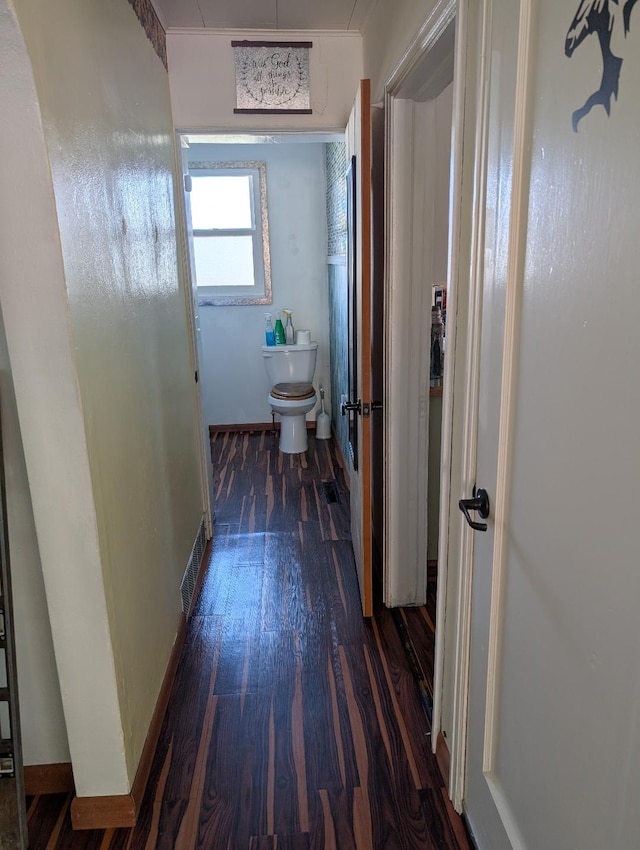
point(293, 724)
point(416, 627)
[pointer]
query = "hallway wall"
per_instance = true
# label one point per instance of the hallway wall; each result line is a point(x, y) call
point(42, 725)
point(101, 363)
point(234, 380)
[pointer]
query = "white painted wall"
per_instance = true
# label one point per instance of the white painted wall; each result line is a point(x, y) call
point(97, 338)
point(44, 734)
point(234, 381)
point(202, 76)
point(35, 312)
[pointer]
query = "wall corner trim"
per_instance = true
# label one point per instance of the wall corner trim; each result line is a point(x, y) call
point(109, 812)
point(121, 810)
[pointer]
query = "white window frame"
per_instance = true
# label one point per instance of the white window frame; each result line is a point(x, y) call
point(260, 292)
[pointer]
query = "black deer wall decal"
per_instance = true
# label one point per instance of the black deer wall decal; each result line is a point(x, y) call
point(598, 16)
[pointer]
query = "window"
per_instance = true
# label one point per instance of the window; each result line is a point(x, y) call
point(230, 232)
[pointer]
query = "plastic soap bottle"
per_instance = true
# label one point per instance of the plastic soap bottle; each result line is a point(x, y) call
point(289, 335)
point(279, 330)
point(269, 333)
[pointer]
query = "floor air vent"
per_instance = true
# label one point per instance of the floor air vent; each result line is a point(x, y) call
point(190, 577)
point(331, 494)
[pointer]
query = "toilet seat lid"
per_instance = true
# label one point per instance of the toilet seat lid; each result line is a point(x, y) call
point(296, 390)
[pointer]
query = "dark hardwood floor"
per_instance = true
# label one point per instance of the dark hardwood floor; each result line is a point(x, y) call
point(293, 724)
point(416, 627)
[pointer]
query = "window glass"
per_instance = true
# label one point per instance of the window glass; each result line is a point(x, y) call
point(221, 202)
point(228, 207)
point(224, 260)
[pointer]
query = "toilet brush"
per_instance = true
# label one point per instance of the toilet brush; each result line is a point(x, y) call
point(323, 421)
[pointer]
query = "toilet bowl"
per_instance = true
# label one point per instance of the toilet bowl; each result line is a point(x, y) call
point(290, 369)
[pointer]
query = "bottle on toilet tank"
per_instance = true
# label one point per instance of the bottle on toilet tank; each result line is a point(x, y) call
point(269, 333)
point(289, 333)
point(279, 330)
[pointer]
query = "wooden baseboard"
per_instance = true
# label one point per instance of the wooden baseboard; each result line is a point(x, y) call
point(48, 778)
point(121, 810)
point(252, 426)
point(342, 462)
point(443, 758)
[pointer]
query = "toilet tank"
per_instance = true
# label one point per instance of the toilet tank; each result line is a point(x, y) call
point(288, 363)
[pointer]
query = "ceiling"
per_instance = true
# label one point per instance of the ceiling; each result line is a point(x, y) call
point(263, 14)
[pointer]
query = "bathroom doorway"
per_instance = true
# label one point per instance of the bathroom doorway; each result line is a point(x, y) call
point(230, 332)
point(419, 130)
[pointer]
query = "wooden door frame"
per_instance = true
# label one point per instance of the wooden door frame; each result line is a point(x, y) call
point(471, 214)
point(480, 31)
point(473, 63)
point(407, 318)
point(358, 143)
point(397, 185)
point(405, 548)
point(186, 263)
point(453, 620)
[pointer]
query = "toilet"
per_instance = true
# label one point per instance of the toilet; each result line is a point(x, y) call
point(290, 369)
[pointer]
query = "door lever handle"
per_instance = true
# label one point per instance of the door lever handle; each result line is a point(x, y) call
point(480, 503)
point(351, 405)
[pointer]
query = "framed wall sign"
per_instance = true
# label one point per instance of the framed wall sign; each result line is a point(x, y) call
point(272, 76)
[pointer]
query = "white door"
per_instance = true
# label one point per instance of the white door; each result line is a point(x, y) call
point(553, 756)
